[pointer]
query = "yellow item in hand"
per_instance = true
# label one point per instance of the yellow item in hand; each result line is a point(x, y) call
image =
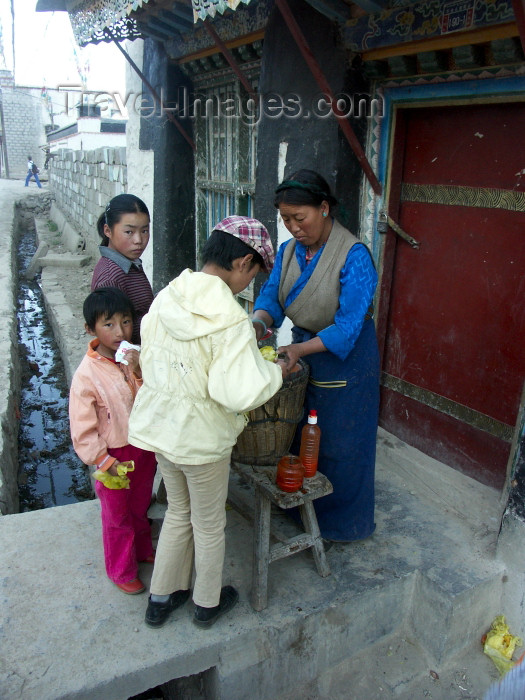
point(499, 644)
point(116, 482)
point(268, 353)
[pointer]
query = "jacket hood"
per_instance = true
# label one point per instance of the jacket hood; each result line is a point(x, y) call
point(196, 304)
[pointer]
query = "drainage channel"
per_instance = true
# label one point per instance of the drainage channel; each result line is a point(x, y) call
point(50, 473)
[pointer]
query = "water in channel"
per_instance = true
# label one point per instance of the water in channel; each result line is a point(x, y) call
point(50, 473)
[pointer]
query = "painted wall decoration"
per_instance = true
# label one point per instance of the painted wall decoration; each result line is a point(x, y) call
point(423, 21)
point(455, 195)
point(247, 19)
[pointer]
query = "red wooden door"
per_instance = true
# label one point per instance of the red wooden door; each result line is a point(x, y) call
point(454, 349)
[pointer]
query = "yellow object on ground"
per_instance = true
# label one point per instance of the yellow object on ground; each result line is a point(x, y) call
point(500, 644)
point(268, 353)
point(116, 482)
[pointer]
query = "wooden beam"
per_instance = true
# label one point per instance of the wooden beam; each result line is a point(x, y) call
point(231, 60)
point(371, 6)
point(519, 13)
point(240, 41)
point(319, 77)
point(183, 11)
point(477, 36)
point(147, 29)
point(150, 87)
point(162, 26)
point(175, 21)
point(334, 10)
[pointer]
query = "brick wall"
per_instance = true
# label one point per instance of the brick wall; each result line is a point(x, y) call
point(83, 182)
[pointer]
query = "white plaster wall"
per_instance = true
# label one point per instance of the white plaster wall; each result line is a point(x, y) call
point(284, 334)
point(87, 141)
point(140, 163)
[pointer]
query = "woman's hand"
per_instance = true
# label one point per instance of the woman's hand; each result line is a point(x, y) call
point(297, 350)
point(261, 321)
point(259, 330)
point(291, 354)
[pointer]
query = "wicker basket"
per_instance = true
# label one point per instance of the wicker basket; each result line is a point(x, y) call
point(271, 427)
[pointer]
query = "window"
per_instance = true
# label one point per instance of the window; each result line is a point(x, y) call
point(225, 137)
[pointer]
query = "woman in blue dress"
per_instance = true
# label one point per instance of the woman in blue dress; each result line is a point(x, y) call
point(324, 280)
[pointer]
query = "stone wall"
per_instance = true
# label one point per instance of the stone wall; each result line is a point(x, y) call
point(24, 129)
point(83, 182)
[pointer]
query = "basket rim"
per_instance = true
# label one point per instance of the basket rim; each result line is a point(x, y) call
point(296, 376)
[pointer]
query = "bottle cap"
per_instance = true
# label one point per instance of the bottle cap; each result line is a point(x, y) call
point(312, 416)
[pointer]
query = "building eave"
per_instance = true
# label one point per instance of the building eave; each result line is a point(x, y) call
point(51, 6)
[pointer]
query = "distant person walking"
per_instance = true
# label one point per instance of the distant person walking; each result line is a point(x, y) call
point(32, 171)
point(49, 156)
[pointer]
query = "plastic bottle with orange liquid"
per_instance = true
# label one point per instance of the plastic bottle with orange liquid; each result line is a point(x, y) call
point(310, 439)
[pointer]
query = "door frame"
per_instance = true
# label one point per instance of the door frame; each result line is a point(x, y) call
point(395, 101)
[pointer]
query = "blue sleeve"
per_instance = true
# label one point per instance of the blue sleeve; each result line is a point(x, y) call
point(358, 280)
point(268, 299)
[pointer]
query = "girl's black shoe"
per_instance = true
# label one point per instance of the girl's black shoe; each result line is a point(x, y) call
point(205, 617)
point(158, 613)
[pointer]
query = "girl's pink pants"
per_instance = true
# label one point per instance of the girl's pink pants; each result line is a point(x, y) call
point(126, 533)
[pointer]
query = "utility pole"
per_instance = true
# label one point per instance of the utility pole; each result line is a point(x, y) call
point(13, 33)
point(3, 144)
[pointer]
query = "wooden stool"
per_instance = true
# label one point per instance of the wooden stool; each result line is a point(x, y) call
point(266, 493)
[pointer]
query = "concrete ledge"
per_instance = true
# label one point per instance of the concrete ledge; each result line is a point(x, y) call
point(72, 240)
point(64, 260)
point(409, 577)
point(307, 622)
point(510, 552)
point(57, 216)
point(70, 237)
point(64, 313)
point(458, 608)
point(35, 264)
point(10, 385)
point(61, 315)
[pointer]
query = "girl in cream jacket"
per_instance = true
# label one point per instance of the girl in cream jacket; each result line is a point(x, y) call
point(202, 371)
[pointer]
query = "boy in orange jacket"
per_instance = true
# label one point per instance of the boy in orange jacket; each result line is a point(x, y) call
point(100, 401)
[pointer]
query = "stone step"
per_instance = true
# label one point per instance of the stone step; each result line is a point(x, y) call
point(403, 671)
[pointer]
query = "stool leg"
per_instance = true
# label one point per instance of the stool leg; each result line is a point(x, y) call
point(309, 519)
point(261, 551)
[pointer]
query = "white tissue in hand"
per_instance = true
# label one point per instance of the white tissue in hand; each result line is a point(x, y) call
point(120, 355)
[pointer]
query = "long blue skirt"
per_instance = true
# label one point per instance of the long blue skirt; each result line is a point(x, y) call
point(347, 417)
